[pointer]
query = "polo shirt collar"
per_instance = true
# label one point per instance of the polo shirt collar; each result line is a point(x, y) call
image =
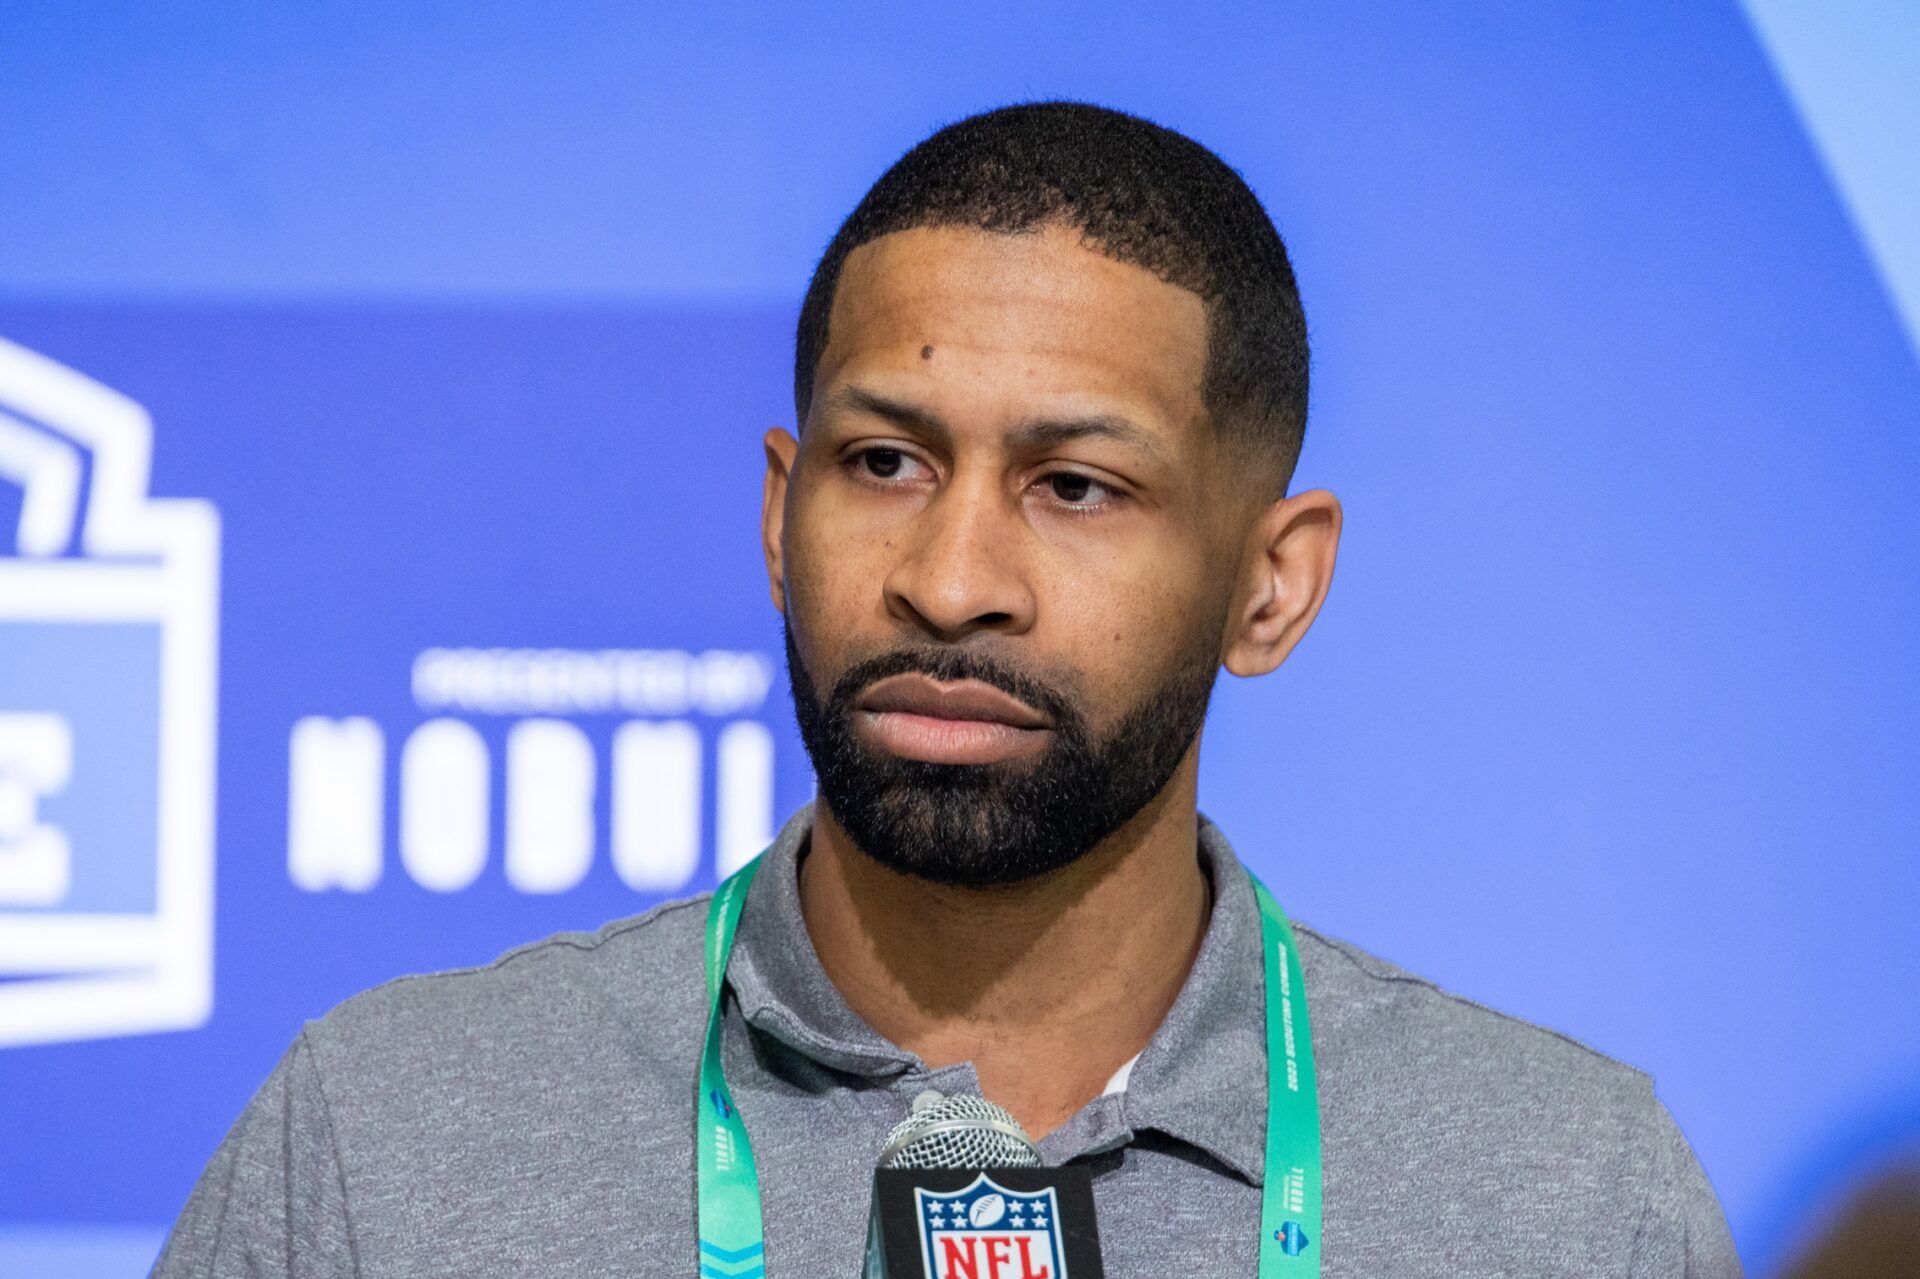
point(1201, 1078)
point(777, 977)
point(1203, 1075)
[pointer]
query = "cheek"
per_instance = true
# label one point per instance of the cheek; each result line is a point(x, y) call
point(833, 575)
point(1126, 629)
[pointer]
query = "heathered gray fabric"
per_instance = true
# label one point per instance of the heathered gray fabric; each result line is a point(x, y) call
point(533, 1118)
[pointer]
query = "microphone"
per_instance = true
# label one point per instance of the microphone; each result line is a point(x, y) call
point(960, 1193)
point(961, 1131)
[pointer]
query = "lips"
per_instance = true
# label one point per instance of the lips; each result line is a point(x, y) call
point(915, 694)
point(968, 722)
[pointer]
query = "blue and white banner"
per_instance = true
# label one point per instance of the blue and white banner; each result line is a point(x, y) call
point(380, 582)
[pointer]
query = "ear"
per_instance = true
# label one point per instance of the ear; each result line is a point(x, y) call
point(1287, 568)
point(782, 449)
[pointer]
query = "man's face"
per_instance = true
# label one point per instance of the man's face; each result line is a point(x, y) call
point(1005, 547)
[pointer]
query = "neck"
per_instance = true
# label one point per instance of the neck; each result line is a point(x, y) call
point(1048, 986)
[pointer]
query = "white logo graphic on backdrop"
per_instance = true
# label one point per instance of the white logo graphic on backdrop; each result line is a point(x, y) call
point(550, 771)
point(107, 661)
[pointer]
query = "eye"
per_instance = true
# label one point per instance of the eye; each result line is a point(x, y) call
point(881, 463)
point(1073, 489)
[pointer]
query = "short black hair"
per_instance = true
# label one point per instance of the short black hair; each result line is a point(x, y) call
point(1139, 193)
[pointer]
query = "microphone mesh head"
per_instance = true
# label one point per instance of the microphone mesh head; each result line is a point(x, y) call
point(966, 1131)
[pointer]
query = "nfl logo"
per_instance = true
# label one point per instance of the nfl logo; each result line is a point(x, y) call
point(989, 1232)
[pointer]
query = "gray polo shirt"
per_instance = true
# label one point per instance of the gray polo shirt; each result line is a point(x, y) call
point(533, 1118)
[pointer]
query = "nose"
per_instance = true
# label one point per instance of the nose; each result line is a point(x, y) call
point(960, 572)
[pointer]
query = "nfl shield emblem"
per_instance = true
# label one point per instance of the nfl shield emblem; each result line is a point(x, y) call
point(989, 1232)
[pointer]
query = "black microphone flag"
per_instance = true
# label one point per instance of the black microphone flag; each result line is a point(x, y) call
point(960, 1194)
point(993, 1223)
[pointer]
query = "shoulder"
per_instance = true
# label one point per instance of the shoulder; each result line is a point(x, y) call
point(631, 989)
point(1506, 1120)
point(434, 1100)
point(1377, 1018)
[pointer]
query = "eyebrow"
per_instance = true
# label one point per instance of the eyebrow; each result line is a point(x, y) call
point(860, 400)
point(1034, 433)
point(1043, 433)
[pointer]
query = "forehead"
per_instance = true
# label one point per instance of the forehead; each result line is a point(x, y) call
point(1003, 320)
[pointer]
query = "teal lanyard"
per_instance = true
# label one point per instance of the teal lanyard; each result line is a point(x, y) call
point(1290, 1190)
point(733, 1245)
point(733, 1242)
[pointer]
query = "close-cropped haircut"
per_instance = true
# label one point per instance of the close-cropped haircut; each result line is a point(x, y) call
point(1136, 192)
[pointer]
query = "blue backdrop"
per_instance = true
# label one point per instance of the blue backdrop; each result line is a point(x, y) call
point(464, 325)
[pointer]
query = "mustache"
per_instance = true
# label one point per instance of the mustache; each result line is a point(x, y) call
point(952, 664)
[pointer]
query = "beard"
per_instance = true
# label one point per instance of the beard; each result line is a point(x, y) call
point(977, 825)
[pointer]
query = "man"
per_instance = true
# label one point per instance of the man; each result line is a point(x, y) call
point(1051, 379)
